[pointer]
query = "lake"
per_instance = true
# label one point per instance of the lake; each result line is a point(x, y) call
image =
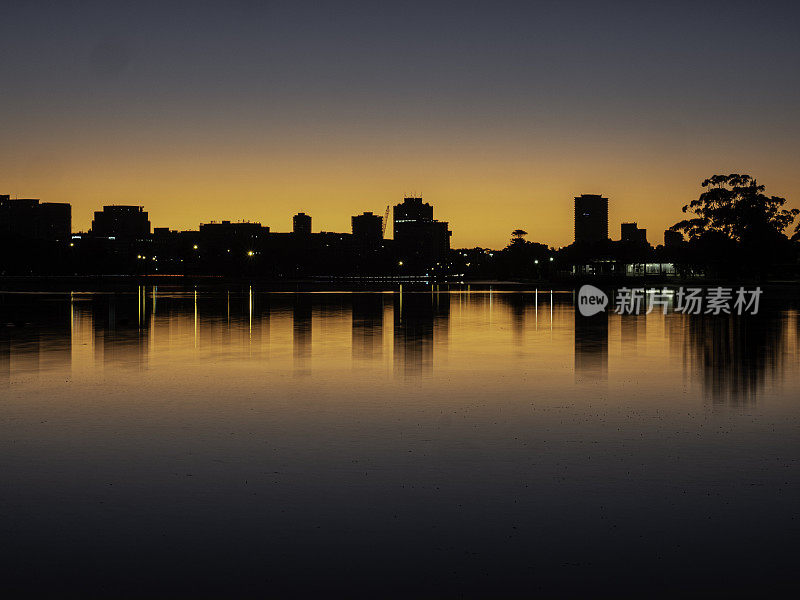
point(425, 442)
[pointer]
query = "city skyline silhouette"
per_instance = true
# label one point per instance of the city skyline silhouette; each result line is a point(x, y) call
point(480, 299)
point(212, 112)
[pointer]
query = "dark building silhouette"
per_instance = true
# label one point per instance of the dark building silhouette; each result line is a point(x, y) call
point(631, 234)
point(367, 229)
point(226, 247)
point(18, 217)
point(591, 219)
point(34, 236)
point(55, 221)
point(301, 224)
point(30, 219)
point(412, 210)
point(233, 234)
point(121, 221)
point(421, 241)
point(672, 238)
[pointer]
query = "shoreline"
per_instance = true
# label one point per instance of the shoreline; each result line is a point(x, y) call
point(66, 283)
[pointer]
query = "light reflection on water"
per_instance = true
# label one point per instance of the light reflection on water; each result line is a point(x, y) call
point(438, 439)
point(731, 359)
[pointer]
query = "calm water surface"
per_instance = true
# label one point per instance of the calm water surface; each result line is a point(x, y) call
point(430, 443)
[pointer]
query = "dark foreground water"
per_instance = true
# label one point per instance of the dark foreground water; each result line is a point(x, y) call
point(443, 443)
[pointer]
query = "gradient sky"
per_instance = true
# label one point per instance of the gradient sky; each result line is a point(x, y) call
point(498, 113)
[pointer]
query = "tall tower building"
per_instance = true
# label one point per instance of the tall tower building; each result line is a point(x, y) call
point(591, 219)
point(367, 229)
point(301, 224)
point(421, 241)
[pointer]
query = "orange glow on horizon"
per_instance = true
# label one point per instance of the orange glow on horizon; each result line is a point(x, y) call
point(483, 191)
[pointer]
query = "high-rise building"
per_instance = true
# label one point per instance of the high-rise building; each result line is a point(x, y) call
point(19, 217)
point(630, 233)
point(301, 224)
point(30, 219)
point(367, 229)
point(55, 220)
point(421, 241)
point(120, 221)
point(591, 219)
point(412, 210)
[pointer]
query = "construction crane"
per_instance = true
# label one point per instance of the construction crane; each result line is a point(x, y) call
point(385, 220)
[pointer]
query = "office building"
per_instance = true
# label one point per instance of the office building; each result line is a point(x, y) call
point(631, 234)
point(301, 224)
point(55, 220)
point(119, 221)
point(367, 229)
point(30, 219)
point(232, 231)
point(228, 237)
point(591, 219)
point(420, 240)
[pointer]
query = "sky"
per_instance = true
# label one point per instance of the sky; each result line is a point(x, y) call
point(497, 113)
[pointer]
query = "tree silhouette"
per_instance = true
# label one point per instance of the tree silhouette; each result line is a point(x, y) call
point(735, 224)
point(736, 207)
point(518, 236)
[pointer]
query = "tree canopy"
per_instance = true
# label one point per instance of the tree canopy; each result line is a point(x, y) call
point(518, 236)
point(736, 207)
point(735, 227)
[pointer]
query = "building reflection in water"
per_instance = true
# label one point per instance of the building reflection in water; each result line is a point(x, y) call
point(121, 324)
point(734, 359)
point(633, 331)
point(591, 347)
point(228, 322)
point(5, 353)
point(301, 332)
point(418, 317)
point(367, 339)
point(35, 334)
